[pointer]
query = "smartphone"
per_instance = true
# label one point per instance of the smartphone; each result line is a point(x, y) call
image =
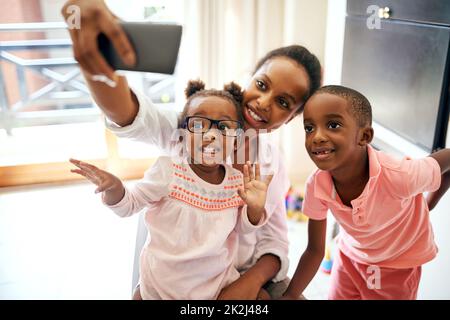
point(156, 46)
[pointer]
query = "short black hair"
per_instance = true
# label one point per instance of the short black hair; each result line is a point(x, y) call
point(303, 58)
point(231, 92)
point(359, 105)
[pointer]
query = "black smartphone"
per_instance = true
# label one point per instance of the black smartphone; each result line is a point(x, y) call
point(156, 46)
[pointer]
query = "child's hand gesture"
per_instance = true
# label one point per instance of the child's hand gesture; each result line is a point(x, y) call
point(254, 192)
point(105, 181)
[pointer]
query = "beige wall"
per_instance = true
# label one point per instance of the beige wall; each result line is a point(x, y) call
point(305, 24)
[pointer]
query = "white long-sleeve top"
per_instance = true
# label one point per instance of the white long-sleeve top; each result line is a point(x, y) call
point(156, 124)
point(193, 227)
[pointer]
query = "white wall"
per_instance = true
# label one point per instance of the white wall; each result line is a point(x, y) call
point(334, 43)
point(305, 24)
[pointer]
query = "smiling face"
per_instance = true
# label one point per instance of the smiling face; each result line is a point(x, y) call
point(210, 148)
point(334, 140)
point(277, 90)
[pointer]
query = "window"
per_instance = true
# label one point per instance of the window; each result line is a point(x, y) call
point(46, 112)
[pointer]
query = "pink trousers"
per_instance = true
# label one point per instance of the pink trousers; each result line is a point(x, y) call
point(351, 280)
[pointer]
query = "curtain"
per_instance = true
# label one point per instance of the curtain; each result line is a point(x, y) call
point(223, 39)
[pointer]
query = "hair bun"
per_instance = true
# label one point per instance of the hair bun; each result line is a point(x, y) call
point(235, 90)
point(193, 87)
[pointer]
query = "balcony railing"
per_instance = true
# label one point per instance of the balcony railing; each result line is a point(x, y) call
point(65, 98)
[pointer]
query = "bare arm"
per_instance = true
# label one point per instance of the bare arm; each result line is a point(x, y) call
point(250, 283)
point(271, 251)
point(118, 103)
point(310, 260)
point(443, 158)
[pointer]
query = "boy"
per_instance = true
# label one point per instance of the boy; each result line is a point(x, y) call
point(377, 200)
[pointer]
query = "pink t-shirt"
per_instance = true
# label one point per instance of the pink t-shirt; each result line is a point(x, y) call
point(388, 224)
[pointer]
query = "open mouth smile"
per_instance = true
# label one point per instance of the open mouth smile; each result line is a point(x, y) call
point(210, 151)
point(322, 153)
point(253, 117)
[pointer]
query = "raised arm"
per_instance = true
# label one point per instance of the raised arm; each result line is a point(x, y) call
point(130, 114)
point(443, 158)
point(116, 102)
point(128, 201)
point(119, 103)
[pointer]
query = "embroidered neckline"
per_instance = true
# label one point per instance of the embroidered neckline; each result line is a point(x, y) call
point(187, 188)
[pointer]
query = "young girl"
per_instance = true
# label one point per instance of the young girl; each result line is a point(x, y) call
point(281, 82)
point(377, 199)
point(194, 207)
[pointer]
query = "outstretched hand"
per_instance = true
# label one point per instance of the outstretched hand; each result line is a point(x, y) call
point(105, 181)
point(254, 191)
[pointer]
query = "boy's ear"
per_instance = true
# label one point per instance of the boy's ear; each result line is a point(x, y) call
point(366, 136)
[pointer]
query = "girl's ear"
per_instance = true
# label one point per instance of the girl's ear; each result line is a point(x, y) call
point(366, 136)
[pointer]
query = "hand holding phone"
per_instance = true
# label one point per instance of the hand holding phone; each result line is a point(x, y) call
point(156, 46)
point(97, 18)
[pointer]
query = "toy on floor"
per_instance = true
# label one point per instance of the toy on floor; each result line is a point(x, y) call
point(294, 202)
point(327, 262)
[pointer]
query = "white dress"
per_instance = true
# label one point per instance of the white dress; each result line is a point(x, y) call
point(193, 228)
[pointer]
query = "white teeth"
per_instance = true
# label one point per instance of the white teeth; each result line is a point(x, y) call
point(209, 150)
point(254, 115)
point(322, 152)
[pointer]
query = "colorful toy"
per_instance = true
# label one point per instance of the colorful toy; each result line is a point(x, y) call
point(327, 262)
point(294, 202)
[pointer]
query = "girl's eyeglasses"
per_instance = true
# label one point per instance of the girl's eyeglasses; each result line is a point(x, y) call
point(196, 124)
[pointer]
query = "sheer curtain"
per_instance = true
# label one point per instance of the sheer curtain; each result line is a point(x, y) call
point(224, 38)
